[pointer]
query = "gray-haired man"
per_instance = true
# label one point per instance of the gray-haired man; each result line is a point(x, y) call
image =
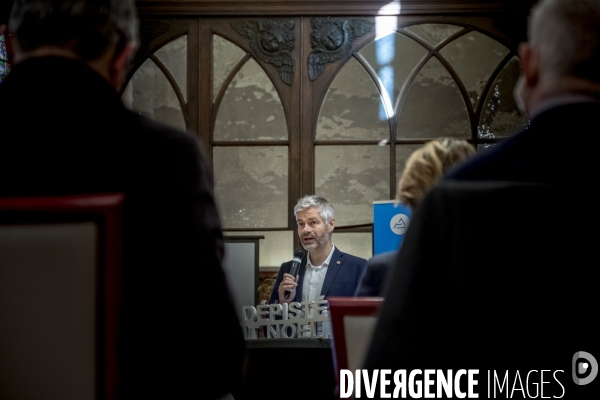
point(325, 270)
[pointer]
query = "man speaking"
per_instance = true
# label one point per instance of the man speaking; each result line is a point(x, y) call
point(323, 270)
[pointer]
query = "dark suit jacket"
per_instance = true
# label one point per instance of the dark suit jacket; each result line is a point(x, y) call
point(495, 276)
point(341, 279)
point(548, 151)
point(64, 130)
point(375, 275)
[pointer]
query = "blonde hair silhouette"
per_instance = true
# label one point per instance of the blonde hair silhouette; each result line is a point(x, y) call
point(426, 166)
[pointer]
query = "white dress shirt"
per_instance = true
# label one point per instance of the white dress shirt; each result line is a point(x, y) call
point(314, 277)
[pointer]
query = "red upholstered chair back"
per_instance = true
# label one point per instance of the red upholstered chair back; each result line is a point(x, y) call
point(60, 273)
point(353, 320)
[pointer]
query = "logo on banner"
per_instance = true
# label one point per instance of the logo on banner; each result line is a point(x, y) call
point(399, 224)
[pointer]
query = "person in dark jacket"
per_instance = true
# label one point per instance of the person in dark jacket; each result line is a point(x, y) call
point(64, 130)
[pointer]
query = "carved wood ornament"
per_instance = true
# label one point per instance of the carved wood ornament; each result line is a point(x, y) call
point(332, 39)
point(272, 42)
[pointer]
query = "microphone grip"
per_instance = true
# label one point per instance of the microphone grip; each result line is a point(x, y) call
point(293, 271)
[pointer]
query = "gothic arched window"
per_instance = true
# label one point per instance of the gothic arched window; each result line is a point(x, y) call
point(4, 67)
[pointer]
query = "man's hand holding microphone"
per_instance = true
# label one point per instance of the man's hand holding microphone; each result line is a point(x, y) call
point(287, 287)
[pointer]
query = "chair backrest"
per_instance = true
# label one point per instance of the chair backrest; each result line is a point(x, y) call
point(353, 321)
point(60, 272)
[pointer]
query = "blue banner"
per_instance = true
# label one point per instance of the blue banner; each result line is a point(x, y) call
point(390, 222)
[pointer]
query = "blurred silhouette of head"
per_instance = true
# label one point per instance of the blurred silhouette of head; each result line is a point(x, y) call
point(426, 166)
point(102, 33)
point(562, 53)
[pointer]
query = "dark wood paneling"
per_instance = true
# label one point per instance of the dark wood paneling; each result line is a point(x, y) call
point(326, 7)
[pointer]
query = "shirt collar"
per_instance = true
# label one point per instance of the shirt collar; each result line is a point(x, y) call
point(325, 263)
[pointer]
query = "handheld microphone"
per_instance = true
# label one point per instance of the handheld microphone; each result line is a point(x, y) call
point(298, 254)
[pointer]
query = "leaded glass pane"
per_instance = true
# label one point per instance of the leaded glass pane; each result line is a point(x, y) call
point(251, 186)
point(174, 56)
point(500, 115)
point(2, 49)
point(434, 34)
point(225, 57)
point(151, 94)
point(4, 67)
point(353, 107)
point(276, 248)
point(359, 244)
point(434, 106)
point(352, 177)
point(251, 108)
point(474, 57)
point(393, 57)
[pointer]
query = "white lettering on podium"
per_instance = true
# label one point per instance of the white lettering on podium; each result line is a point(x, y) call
point(293, 320)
